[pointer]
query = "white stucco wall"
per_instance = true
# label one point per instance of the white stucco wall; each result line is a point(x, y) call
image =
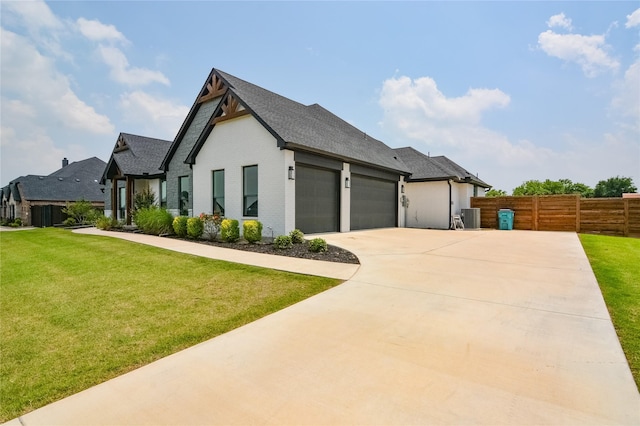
point(345, 199)
point(153, 185)
point(429, 203)
point(243, 142)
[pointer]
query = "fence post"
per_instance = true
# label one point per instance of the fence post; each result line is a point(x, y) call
point(534, 212)
point(578, 198)
point(626, 216)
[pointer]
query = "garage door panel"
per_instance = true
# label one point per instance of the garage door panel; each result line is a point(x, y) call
point(373, 203)
point(317, 199)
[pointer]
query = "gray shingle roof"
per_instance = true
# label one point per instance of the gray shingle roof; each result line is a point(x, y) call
point(426, 168)
point(309, 127)
point(143, 156)
point(78, 180)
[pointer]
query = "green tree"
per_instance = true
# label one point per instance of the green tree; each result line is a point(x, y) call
point(530, 187)
point(495, 193)
point(553, 187)
point(579, 188)
point(614, 187)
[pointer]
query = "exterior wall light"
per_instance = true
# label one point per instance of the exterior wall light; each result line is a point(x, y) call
point(402, 189)
point(292, 173)
point(347, 183)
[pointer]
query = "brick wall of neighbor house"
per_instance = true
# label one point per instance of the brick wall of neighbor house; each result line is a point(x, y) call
point(177, 167)
point(243, 142)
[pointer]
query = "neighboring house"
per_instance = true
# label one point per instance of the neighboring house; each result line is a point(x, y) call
point(247, 153)
point(39, 200)
point(134, 166)
point(437, 189)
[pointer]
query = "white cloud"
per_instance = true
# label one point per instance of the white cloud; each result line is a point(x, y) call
point(43, 26)
point(417, 114)
point(35, 15)
point(155, 115)
point(423, 94)
point(25, 147)
point(31, 78)
point(587, 51)
point(97, 31)
point(626, 100)
point(561, 21)
point(122, 72)
point(633, 20)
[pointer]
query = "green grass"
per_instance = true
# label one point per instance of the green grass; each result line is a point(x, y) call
point(76, 310)
point(616, 264)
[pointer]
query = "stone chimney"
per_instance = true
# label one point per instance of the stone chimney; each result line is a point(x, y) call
point(65, 162)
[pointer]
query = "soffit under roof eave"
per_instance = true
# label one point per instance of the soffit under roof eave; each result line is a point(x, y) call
point(456, 179)
point(296, 147)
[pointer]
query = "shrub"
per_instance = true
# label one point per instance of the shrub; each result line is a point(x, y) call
point(144, 199)
point(154, 221)
point(297, 237)
point(106, 223)
point(282, 242)
point(252, 231)
point(318, 245)
point(230, 230)
point(195, 227)
point(69, 221)
point(211, 225)
point(17, 221)
point(82, 211)
point(180, 226)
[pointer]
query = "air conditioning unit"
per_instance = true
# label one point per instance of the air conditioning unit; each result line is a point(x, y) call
point(471, 218)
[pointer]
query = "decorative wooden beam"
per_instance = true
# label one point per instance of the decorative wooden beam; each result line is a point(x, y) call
point(230, 109)
point(121, 145)
point(214, 88)
point(114, 198)
point(129, 191)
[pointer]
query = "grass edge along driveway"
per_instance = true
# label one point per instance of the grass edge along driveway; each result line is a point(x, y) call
point(616, 264)
point(77, 310)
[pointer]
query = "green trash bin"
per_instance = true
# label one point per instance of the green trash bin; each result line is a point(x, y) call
point(505, 219)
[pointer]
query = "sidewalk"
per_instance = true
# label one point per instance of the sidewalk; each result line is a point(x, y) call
point(341, 271)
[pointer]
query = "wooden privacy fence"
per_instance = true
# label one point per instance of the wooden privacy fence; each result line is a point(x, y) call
point(612, 216)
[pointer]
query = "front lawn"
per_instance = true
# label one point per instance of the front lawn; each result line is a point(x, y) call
point(76, 310)
point(616, 264)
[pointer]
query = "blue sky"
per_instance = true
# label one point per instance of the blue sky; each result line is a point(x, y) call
point(511, 91)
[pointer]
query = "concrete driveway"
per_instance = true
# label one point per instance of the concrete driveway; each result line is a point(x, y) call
point(436, 327)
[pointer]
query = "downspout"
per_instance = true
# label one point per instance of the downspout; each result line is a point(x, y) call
point(450, 221)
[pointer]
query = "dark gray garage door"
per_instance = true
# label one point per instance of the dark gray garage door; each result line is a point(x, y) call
point(317, 199)
point(373, 203)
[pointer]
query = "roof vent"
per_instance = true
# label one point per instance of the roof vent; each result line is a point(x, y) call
point(65, 162)
point(60, 179)
point(77, 180)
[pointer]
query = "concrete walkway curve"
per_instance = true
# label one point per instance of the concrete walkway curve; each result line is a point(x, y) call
point(435, 327)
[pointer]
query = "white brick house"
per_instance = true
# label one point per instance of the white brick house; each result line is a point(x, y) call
point(248, 153)
point(286, 164)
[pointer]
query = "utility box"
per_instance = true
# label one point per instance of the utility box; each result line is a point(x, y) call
point(505, 219)
point(471, 218)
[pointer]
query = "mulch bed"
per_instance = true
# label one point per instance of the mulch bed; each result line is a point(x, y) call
point(333, 254)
